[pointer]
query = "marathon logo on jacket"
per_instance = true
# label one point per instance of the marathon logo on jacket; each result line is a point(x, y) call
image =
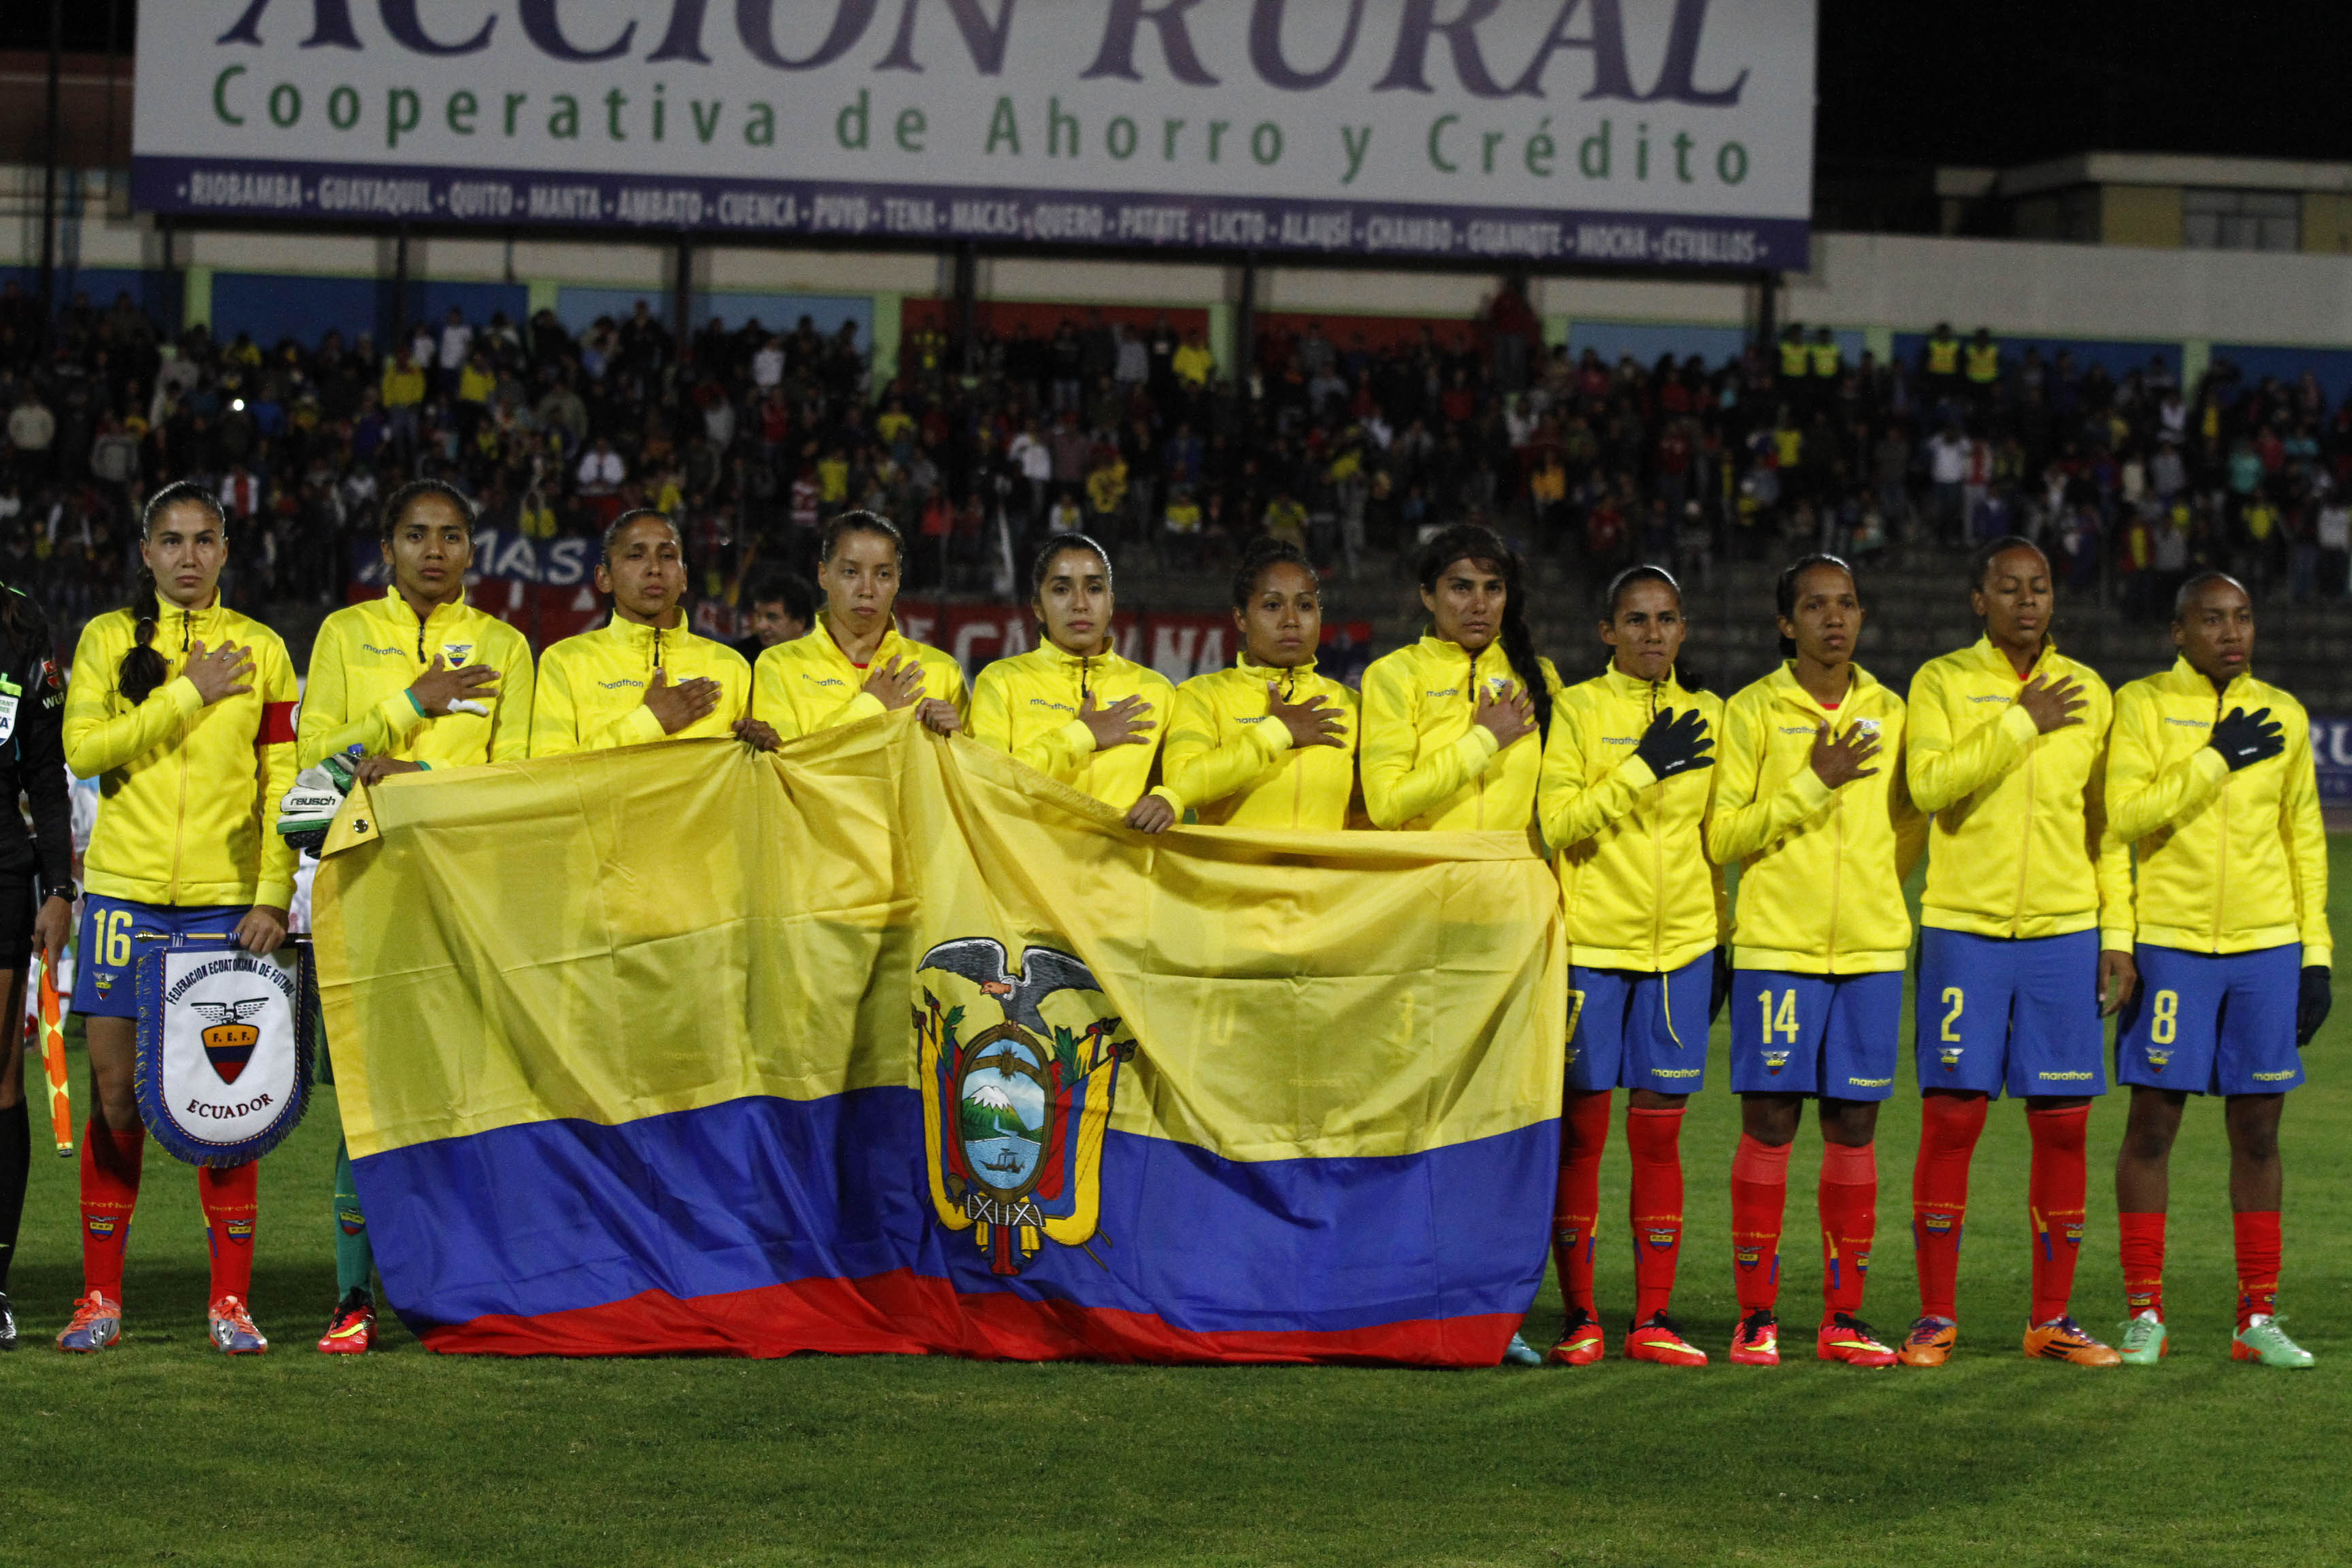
point(224, 1057)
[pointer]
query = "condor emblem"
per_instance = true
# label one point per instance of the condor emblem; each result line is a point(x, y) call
point(228, 1038)
point(1013, 1116)
point(1774, 1061)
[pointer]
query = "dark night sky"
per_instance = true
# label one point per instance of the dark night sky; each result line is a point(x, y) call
point(1963, 81)
point(2003, 82)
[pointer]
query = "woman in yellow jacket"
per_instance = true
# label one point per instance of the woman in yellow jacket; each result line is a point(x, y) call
point(2210, 780)
point(1453, 725)
point(416, 679)
point(1627, 780)
point(1824, 840)
point(2026, 942)
point(642, 676)
point(1444, 718)
point(172, 704)
point(852, 663)
point(1268, 743)
point(1072, 708)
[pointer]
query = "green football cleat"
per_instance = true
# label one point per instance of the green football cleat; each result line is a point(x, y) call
point(1518, 1353)
point(2263, 1341)
point(2143, 1342)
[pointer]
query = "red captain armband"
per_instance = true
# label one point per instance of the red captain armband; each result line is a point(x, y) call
point(276, 724)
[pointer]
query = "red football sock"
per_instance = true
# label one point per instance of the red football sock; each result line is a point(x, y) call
point(1576, 1208)
point(2258, 1264)
point(1849, 1209)
point(111, 1162)
point(1655, 1138)
point(231, 1198)
point(1760, 1195)
point(2054, 1193)
point(1949, 1127)
point(2143, 1249)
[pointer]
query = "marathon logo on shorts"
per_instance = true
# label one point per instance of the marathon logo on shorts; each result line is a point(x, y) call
point(1774, 1061)
point(2065, 1077)
point(2274, 1076)
point(1870, 1082)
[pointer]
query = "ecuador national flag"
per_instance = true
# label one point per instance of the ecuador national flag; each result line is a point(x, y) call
point(886, 1043)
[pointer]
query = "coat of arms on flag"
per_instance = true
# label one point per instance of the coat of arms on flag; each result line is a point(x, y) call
point(1013, 1115)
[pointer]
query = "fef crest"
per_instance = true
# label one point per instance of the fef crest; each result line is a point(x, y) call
point(1014, 1113)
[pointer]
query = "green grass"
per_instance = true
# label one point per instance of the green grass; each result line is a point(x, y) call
point(164, 1450)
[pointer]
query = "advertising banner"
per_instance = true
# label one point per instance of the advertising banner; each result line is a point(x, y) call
point(1674, 132)
point(2331, 755)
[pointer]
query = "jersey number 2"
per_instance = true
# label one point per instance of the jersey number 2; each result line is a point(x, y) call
point(1952, 996)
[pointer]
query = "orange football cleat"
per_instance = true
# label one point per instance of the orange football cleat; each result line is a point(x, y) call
point(1929, 1342)
point(352, 1330)
point(2063, 1339)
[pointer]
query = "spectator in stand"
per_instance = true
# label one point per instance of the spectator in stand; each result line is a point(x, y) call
point(32, 430)
point(601, 469)
point(457, 344)
point(781, 606)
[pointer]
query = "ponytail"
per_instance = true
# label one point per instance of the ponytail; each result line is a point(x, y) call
point(143, 669)
point(1473, 541)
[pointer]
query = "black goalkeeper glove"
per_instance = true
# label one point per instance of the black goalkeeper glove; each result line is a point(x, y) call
point(2311, 1002)
point(2244, 739)
point(1676, 742)
point(1719, 992)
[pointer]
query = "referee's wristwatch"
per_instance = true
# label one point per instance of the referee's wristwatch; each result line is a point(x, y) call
point(65, 891)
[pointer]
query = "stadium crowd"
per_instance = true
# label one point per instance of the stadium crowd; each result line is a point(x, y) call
point(1137, 434)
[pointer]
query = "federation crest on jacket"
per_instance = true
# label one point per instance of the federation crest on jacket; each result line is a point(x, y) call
point(1019, 1071)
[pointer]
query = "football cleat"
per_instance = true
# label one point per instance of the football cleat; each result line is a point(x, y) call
point(1756, 1340)
point(96, 1323)
point(1518, 1353)
point(2063, 1339)
point(1929, 1342)
point(7, 1323)
point(1661, 1339)
point(351, 1330)
point(1848, 1339)
point(2263, 1341)
point(2144, 1339)
point(231, 1326)
point(1582, 1342)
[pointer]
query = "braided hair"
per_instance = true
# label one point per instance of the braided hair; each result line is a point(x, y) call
point(143, 667)
point(1784, 592)
point(1614, 595)
point(1474, 541)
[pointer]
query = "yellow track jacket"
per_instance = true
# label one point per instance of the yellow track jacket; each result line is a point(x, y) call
point(367, 656)
point(2018, 847)
point(2227, 862)
point(1821, 884)
point(1028, 705)
point(1632, 851)
point(808, 684)
point(1425, 764)
point(592, 687)
point(1235, 767)
point(187, 793)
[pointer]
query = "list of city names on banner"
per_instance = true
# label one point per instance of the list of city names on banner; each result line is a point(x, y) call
point(1669, 132)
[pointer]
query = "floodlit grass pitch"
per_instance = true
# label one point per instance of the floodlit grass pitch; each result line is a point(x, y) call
point(164, 1449)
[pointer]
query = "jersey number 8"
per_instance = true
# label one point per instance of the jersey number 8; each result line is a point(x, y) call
point(2164, 1017)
